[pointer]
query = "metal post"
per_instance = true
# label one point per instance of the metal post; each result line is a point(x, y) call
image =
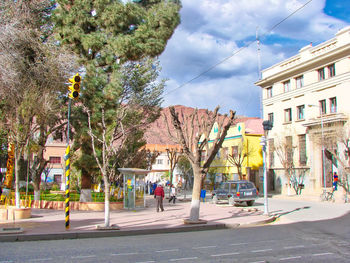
point(266, 204)
point(67, 158)
point(267, 125)
point(323, 154)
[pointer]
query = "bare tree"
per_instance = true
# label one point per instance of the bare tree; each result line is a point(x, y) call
point(285, 151)
point(173, 156)
point(32, 71)
point(241, 152)
point(192, 132)
point(337, 144)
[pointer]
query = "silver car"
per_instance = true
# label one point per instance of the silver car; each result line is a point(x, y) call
point(237, 191)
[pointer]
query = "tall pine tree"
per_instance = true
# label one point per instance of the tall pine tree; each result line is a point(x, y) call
point(114, 41)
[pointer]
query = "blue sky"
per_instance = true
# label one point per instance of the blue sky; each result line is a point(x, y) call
point(213, 30)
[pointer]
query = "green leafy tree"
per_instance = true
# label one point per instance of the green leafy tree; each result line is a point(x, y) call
point(114, 41)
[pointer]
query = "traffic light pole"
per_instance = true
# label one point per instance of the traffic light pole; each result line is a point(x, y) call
point(67, 158)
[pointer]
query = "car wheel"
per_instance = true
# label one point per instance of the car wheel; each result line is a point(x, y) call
point(250, 203)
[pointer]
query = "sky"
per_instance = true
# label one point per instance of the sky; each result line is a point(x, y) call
point(212, 31)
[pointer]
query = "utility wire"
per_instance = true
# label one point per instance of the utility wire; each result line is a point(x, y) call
point(238, 51)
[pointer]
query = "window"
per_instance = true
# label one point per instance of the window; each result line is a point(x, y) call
point(286, 86)
point(159, 161)
point(234, 150)
point(270, 117)
point(302, 149)
point(300, 112)
point(321, 75)
point(331, 70)
point(333, 104)
point(299, 81)
point(322, 104)
point(269, 92)
point(288, 115)
point(55, 159)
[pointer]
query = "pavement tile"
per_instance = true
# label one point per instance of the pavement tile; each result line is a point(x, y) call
point(48, 224)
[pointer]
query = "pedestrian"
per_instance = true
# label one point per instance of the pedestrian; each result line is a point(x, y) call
point(335, 181)
point(159, 195)
point(172, 194)
point(154, 186)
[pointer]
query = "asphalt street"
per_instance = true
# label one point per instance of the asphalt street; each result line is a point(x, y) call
point(309, 238)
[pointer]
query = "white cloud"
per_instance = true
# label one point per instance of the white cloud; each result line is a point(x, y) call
point(212, 30)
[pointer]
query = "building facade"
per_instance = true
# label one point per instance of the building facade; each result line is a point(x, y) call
point(240, 156)
point(305, 97)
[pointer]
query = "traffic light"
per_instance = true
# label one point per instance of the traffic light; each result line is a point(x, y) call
point(75, 86)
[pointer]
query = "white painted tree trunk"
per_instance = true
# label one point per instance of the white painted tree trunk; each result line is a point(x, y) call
point(36, 195)
point(17, 194)
point(107, 212)
point(195, 203)
point(85, 195)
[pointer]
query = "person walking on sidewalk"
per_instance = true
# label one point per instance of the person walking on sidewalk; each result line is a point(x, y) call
point(173, 194)
point(159, 195)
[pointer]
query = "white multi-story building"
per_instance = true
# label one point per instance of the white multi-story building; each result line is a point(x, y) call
point(306, 98)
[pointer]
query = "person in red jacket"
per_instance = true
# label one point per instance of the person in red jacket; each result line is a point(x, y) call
point(159, 195)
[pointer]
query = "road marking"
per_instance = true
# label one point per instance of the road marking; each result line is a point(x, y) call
point(167, 250)
point(125, 254)
point(294, 247)
point(40, 259)
point(146, 262)
point(204, 247)
point(238, 244)
point(180, 259)
point(322, 254)
point(281, 259)
point(80, 257)
point(261, 250)
point(225, 254)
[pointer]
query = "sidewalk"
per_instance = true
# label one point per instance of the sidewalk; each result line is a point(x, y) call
point(50, 224)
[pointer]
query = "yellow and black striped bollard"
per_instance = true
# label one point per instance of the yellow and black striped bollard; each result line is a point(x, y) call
point(67, 158)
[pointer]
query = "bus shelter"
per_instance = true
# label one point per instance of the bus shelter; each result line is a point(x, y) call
point(134, 187)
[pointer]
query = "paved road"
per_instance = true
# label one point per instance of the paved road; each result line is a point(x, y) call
point(287, 243)
point(290, 210)
point(301, 240)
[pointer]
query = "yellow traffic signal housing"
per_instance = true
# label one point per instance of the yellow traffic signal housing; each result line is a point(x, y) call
point(75, 87)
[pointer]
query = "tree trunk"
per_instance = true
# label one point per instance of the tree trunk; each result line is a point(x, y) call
point(85, 194)
point(17, 171)
point(196, 192)
point(107, 212)
point(36, 195)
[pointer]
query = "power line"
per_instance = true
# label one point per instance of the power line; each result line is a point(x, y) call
point(238, 51)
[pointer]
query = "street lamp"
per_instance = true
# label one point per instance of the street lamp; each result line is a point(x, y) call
point(267, 127)
point(322, 142)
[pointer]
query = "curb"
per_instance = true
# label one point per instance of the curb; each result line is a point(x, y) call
point(118, 233)
point(108, 233)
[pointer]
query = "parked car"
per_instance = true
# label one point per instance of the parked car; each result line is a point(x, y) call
point(237, 191)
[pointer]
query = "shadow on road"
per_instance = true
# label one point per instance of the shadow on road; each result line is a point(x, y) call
point(279, 213)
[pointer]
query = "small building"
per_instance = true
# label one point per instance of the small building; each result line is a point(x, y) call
point(240, 157)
